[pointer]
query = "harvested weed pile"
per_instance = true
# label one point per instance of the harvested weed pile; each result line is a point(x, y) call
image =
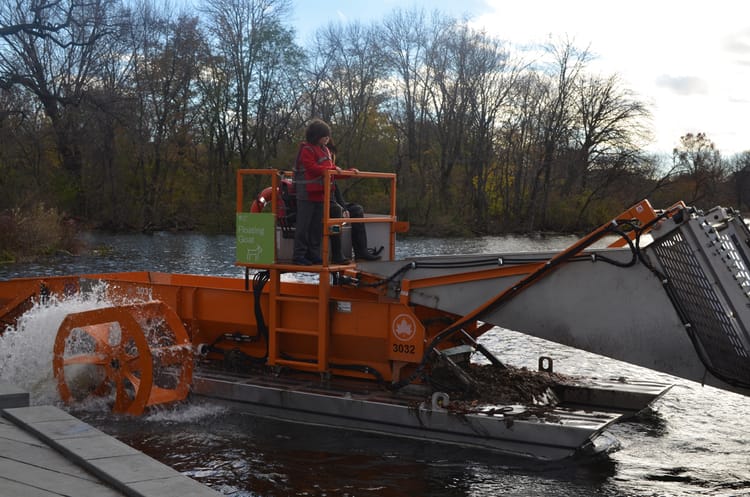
point(503, 386)
point(510, 385)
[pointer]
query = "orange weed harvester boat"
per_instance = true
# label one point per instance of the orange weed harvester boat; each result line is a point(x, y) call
point(385, 346)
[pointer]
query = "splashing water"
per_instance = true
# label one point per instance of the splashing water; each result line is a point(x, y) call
point(26, 349)
point(182, 413)
point(26, 354)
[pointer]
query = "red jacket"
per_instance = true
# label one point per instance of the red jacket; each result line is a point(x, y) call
point(312, 161)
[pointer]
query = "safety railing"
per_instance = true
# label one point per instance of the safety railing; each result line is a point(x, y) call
point(256, 235)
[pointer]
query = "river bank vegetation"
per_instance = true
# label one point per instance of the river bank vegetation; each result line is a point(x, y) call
point(136, 116)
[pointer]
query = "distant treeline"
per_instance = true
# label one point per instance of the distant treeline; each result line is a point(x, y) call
point(133, 115)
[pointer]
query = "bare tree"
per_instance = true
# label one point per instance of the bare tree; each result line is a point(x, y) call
point(611, 123)
point(405, 40)
point(214, 116)
point(25, 141)
point(555, 125)
point(492, 77)
point(168, 53)
point(449, 103)
point(53, 50)
point(258, 53)
point(517, 149)
point(349, 86)
point(611, 127)
point(741, 172)
point(42, 19)
point(699, 163)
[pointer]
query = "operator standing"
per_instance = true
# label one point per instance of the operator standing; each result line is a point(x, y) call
point(313, 160)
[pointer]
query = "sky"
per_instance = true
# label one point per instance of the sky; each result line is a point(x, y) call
point(688, 60)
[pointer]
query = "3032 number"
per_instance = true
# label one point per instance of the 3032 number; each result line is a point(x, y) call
point(403, 348)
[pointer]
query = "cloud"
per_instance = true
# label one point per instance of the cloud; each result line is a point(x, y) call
point(738, 42)
point(683, 85)
point(737, 45)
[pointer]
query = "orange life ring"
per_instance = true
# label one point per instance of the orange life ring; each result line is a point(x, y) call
point(263, 199)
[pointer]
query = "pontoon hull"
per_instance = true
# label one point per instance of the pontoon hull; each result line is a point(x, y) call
point(546, 433)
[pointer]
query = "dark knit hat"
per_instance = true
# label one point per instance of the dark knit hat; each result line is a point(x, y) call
point(316, 130)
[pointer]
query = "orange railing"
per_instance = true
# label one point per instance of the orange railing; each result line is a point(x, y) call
point(330, 225)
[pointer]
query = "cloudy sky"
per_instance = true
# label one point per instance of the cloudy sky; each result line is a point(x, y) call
point(689, 60)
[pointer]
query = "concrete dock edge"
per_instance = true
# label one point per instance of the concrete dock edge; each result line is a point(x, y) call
point(122, 467)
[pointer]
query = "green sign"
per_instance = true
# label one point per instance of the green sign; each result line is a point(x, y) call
point(256, 234)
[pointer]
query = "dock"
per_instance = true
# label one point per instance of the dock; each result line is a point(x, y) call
point(46, 452)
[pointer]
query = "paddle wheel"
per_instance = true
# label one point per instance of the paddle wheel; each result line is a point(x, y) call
point(140, 351)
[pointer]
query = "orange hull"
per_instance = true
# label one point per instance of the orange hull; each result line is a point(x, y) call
point(356, 338)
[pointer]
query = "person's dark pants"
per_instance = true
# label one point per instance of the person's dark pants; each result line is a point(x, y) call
point(359, 231)
point(308, 232)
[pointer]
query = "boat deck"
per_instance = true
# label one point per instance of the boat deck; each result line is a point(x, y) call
point(547, 432)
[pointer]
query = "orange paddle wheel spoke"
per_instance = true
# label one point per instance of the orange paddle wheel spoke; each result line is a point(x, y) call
point(100, 334)
point(96, 360)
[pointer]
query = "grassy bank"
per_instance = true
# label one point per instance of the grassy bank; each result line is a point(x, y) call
point(34, 232)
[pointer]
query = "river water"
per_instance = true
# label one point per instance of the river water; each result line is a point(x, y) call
point(693, 441)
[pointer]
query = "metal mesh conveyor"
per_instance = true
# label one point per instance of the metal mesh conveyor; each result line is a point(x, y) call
point(705, 263)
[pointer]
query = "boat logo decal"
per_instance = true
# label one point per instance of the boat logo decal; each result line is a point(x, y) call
point(404, 327)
